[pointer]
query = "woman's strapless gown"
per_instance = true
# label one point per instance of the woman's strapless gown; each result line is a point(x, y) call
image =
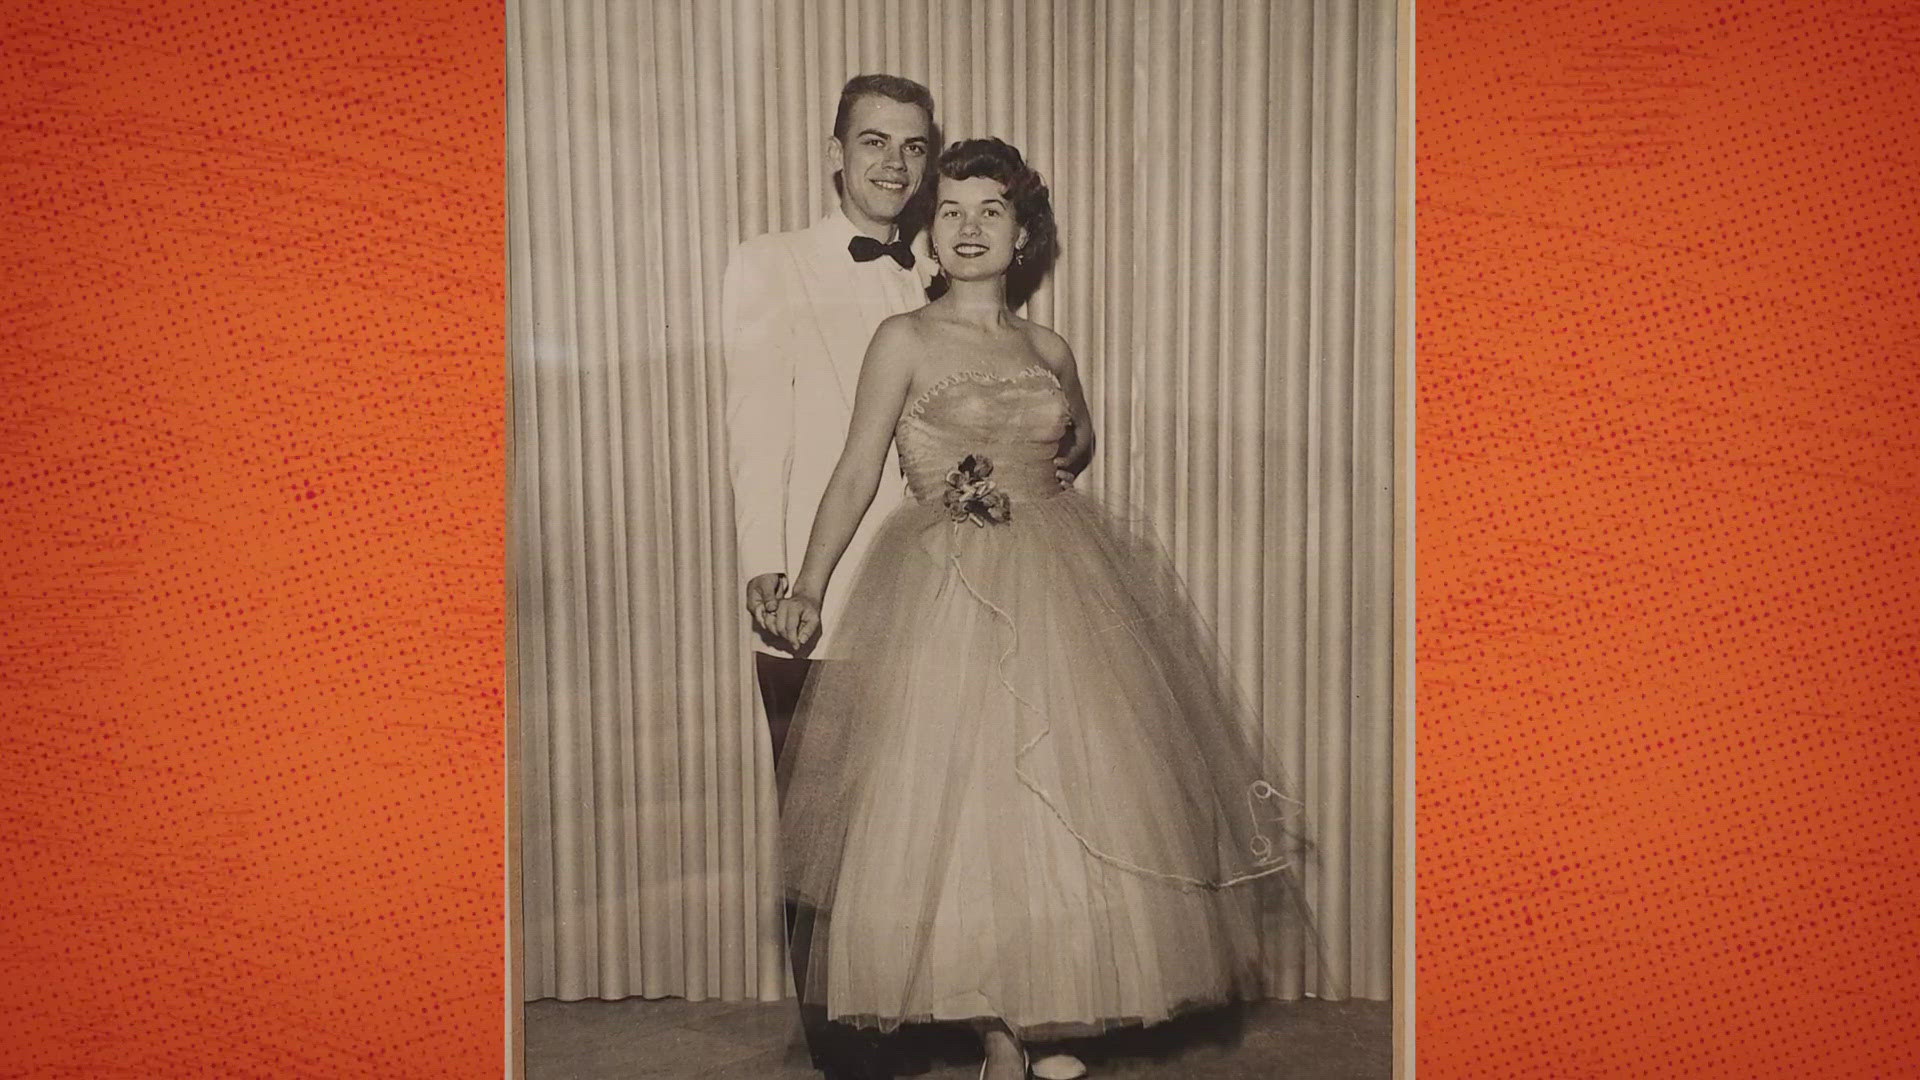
point(1029, 791)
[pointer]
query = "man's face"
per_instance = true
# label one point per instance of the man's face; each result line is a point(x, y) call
point(881, 161)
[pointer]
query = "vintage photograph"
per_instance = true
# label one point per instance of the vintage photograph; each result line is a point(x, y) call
point(956, 479)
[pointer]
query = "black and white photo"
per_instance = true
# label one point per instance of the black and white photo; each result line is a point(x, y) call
point(955, 489)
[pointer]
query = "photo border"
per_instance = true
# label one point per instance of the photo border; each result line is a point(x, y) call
point(1402, 1005)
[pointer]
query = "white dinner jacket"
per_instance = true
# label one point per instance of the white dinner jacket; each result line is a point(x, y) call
point(796, 316)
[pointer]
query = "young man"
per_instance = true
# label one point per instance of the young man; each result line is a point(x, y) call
point(797, 311)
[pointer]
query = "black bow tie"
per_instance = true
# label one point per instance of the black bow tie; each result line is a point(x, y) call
point(867, 249)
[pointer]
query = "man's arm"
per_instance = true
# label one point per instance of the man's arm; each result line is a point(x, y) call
point(760, 421)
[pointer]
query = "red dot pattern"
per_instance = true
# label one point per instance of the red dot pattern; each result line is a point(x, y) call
point(1668, 608)
point(251, 539)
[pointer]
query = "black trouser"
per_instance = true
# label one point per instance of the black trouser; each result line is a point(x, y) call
point(837, 1049)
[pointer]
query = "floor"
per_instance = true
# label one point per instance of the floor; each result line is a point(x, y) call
point(635, 1037)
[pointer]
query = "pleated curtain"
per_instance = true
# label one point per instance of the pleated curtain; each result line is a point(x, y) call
point(1223, 172)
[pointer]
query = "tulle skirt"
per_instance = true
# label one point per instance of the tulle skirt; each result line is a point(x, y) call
point(1029, 790)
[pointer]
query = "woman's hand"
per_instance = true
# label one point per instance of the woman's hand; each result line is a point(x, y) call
point(796, 620)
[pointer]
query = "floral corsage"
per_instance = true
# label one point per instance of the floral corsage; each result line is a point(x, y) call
point(973, 496)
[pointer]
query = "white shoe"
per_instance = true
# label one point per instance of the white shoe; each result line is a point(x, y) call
point(1059, 1067)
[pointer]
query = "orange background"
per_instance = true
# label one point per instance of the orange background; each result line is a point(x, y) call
point(251, 547)
point(251, 544)
point(1668, 539)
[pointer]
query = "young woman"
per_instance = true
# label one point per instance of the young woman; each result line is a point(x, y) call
point(1026, 800)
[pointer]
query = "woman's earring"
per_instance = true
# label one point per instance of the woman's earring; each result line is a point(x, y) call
point(1019, 255)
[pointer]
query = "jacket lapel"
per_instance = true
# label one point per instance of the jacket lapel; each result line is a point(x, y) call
point(821, 293)
point(844, 302)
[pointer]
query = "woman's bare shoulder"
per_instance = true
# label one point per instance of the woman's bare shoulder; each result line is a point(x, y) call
point(1049, 346)
point(898, 335)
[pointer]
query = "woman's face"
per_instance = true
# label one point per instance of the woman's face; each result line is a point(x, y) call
point(974, 234)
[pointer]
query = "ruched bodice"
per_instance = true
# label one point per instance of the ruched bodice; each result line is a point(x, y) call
point(1015, 420)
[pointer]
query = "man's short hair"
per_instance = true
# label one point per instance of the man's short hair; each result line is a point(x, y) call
point(905, 91)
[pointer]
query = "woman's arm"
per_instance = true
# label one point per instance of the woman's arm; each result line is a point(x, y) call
point(885, 376)
point(1076, 451)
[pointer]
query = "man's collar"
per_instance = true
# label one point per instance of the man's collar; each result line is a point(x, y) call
point(837, 228)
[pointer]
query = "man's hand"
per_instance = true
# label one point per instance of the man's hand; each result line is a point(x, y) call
point(762, 593)
point(1063, 471)
point(796, 620)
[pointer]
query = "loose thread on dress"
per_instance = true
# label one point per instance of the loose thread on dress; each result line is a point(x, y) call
point(1263, 849)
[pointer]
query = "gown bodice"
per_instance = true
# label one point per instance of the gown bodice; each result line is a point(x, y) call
point(1017, 421)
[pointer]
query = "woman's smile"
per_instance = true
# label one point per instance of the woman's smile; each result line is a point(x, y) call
point(974, 227)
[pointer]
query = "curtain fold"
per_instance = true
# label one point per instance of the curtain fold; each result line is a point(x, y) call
point(1224, 175)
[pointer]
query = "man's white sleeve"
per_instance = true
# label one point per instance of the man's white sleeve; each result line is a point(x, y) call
point(759, 398)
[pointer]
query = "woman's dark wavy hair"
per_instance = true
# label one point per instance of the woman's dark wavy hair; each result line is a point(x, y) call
point(1032, 209)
